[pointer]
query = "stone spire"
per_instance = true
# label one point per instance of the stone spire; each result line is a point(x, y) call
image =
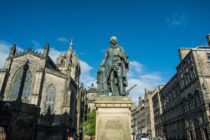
point(46, 50)
point(71, 44)
point(70, 53)
point(13, 50)
point(71, 47)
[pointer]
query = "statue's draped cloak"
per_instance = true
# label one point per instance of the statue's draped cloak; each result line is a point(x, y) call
point(109, 64)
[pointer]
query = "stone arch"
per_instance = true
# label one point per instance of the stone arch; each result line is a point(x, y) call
point(16, 84)
point(49, 102)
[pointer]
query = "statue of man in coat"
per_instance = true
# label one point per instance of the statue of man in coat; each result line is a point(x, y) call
point(112, 74)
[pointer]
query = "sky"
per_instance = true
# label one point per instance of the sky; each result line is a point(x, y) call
point(150, 31)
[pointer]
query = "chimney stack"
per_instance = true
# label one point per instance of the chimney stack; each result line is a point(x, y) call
point(208, 39)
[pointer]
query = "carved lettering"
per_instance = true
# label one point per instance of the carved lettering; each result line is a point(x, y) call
point(113, 124)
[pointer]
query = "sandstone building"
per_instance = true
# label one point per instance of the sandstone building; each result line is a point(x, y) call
point(134, 113)
point(186, 97)
point(91, 98)
point(157, 112)
point(149, 113)
point(39, 94)
point(143, 117)
point(87, 101)
point(180, 109)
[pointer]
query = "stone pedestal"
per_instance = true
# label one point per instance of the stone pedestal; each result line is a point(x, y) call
point(113, 118)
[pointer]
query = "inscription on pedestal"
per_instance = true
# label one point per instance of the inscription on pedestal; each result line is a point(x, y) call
point(113, 125)
point(113, 119)
point(112, 129)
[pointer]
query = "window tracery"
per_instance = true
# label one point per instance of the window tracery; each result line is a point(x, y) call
point(16, 85)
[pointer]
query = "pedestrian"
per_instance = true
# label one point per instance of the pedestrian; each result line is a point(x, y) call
point(70, 137)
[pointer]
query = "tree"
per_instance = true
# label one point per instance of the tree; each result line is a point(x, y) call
point(90, 124)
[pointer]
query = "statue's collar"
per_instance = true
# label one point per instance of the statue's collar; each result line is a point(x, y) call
point(114, 46)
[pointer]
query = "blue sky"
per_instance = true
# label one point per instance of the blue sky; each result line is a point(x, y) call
point(151, 31)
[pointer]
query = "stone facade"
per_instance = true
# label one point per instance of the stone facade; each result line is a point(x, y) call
point(149, 113)
point(133, 120)
point(143, 117)
point(180, 109)
point(81, 115)
point(157, 112)
point(32, 79)
point(140, 118)
point(185, 98)
point(86, 100)
point(113, 118)
point(146, 116)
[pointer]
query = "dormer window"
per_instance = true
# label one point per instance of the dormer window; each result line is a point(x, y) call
point(208, 56)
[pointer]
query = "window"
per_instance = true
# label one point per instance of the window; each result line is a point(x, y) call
point(192, 73)
point(186, 79)
point(182, 83)
point(186, 107)
point(208, 56)
point(192, 103)
point(50, 99)
point(26, 88)
point(16, 85)
point(197, 100)
point(190, 58)
point(197, 97)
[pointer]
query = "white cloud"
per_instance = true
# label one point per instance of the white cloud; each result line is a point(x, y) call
point(4, 52)
point(86, 78)
point(62, 39)
point(135, 68)
point(55, 53)
point(137, 75)
point(176, 20)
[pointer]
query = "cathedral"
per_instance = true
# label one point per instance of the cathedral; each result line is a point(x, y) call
point(38, 97)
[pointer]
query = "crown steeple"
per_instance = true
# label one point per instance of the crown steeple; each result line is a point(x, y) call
point(71, 44)
point(69, 63)
point(71, 47)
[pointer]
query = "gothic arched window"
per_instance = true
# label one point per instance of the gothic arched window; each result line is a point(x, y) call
point(16, 85)
point(50, 99)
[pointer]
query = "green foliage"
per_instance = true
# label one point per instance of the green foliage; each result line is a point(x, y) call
point(90, 124)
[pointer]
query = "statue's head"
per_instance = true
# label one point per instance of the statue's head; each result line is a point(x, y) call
point(113, 40)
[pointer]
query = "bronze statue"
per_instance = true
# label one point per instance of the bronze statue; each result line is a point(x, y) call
point(112, 73)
